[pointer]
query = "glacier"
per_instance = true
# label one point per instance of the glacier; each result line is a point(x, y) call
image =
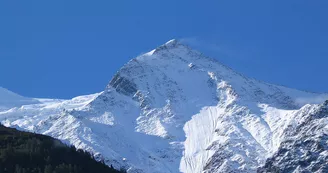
point(173, 110)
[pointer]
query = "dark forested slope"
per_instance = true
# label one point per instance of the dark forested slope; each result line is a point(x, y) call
point(23, 152)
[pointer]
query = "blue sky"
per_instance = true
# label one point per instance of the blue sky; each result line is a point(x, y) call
point(67, 48)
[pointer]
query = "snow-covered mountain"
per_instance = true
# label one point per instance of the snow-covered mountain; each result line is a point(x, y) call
point(175, 110)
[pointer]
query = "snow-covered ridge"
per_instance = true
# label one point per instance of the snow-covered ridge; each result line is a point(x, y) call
point(173, 110)
point(9, 99)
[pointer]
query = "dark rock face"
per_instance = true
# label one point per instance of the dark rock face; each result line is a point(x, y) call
point(304, 155)
point(123, 85)
point(306, 147)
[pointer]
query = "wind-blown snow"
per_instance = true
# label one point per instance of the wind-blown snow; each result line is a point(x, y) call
point(172, 110)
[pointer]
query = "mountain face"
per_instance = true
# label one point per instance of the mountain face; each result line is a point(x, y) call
point(305, 148)
point(175, 110)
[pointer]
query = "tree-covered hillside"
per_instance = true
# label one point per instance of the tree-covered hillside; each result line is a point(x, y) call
point(23, 152)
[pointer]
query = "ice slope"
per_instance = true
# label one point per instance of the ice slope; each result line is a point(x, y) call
point(173, 110)
point(31, 115)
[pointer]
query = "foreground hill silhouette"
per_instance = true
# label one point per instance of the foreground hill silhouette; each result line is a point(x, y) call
point(23, 152)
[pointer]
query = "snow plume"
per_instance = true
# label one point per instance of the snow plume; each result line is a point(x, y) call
point(214, 48)
point(201, 44)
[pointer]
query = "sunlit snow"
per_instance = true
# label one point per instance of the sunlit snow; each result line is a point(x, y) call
point(167, 111)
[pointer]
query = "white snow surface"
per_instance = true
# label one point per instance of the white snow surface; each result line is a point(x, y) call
point(167, 111)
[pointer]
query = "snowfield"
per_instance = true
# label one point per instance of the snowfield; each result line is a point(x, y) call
point(173, 110)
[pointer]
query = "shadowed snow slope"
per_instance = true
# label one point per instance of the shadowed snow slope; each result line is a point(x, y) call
point(173, 110)
point(9, 99)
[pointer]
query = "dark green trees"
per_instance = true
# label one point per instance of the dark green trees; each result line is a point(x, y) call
point(23, 152)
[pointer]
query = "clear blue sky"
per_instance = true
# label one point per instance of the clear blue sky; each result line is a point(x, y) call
point(67, 48)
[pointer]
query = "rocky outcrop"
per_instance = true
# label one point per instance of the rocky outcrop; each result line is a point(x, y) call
point(306, 146)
